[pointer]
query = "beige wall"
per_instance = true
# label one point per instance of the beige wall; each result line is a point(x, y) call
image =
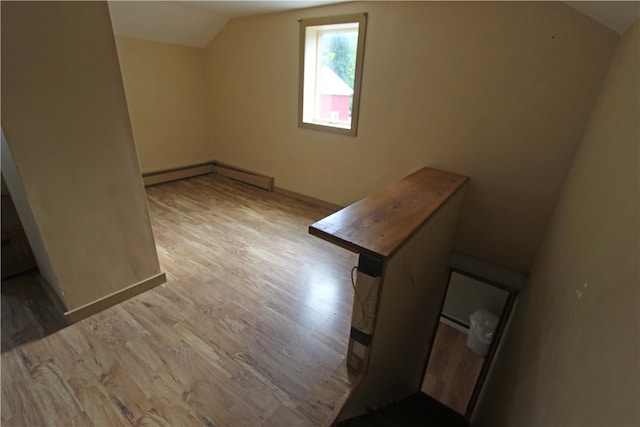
point(67, 128)
point(497, 91)
point(166, 94)
point(27, 220)
point(572, 353)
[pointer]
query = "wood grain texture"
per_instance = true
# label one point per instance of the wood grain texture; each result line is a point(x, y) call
point(28, 313)
point(453, 369)
point(114, 298)
point(384, 221)
point(250, 329)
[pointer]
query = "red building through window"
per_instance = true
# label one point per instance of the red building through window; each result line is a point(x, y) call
point(335, 97)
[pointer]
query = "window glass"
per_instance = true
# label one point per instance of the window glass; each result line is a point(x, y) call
point(330, 72)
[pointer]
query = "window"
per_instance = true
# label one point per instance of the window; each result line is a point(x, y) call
point(331, 52)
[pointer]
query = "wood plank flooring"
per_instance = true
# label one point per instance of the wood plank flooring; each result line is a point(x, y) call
point(28, 313)
point(251, 328)
point(453, 369)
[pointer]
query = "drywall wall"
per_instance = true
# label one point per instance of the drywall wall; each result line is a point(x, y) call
point(166, 95)
point(465, 295)
point(496, 91)
point(571, 354)
point(65, 120)
point(25, 214)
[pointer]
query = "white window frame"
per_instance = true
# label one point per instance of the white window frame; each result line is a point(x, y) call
point(310, 30)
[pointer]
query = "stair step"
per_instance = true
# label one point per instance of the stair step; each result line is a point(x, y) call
point(417, 410)
point(377, 420)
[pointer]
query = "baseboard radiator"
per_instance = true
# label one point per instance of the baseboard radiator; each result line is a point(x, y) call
point(243, 175)
point(175, 174)
point(238, 174)
point(248, 177)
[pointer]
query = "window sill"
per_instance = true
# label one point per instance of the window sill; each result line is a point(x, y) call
point(329, 127)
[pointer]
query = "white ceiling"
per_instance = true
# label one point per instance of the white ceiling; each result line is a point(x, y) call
point(195, 23)
point(190, 23)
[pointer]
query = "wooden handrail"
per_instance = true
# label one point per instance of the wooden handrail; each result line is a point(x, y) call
point(383, 222)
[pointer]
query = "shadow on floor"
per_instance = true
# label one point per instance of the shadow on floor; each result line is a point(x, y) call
point(418, 410)
point(28, 313)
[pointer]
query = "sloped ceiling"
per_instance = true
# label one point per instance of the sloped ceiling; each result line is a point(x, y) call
point(190, 23)
point(617, 15)
point(165, 21)
point(195, 23)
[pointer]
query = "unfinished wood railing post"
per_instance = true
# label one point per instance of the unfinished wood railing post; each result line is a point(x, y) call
point(365, 302)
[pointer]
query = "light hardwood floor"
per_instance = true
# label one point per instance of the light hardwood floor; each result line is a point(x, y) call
point(453, 369)
point(250, 329)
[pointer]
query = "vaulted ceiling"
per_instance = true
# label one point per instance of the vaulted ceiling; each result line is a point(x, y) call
point(196, 23)
point(190, 23)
